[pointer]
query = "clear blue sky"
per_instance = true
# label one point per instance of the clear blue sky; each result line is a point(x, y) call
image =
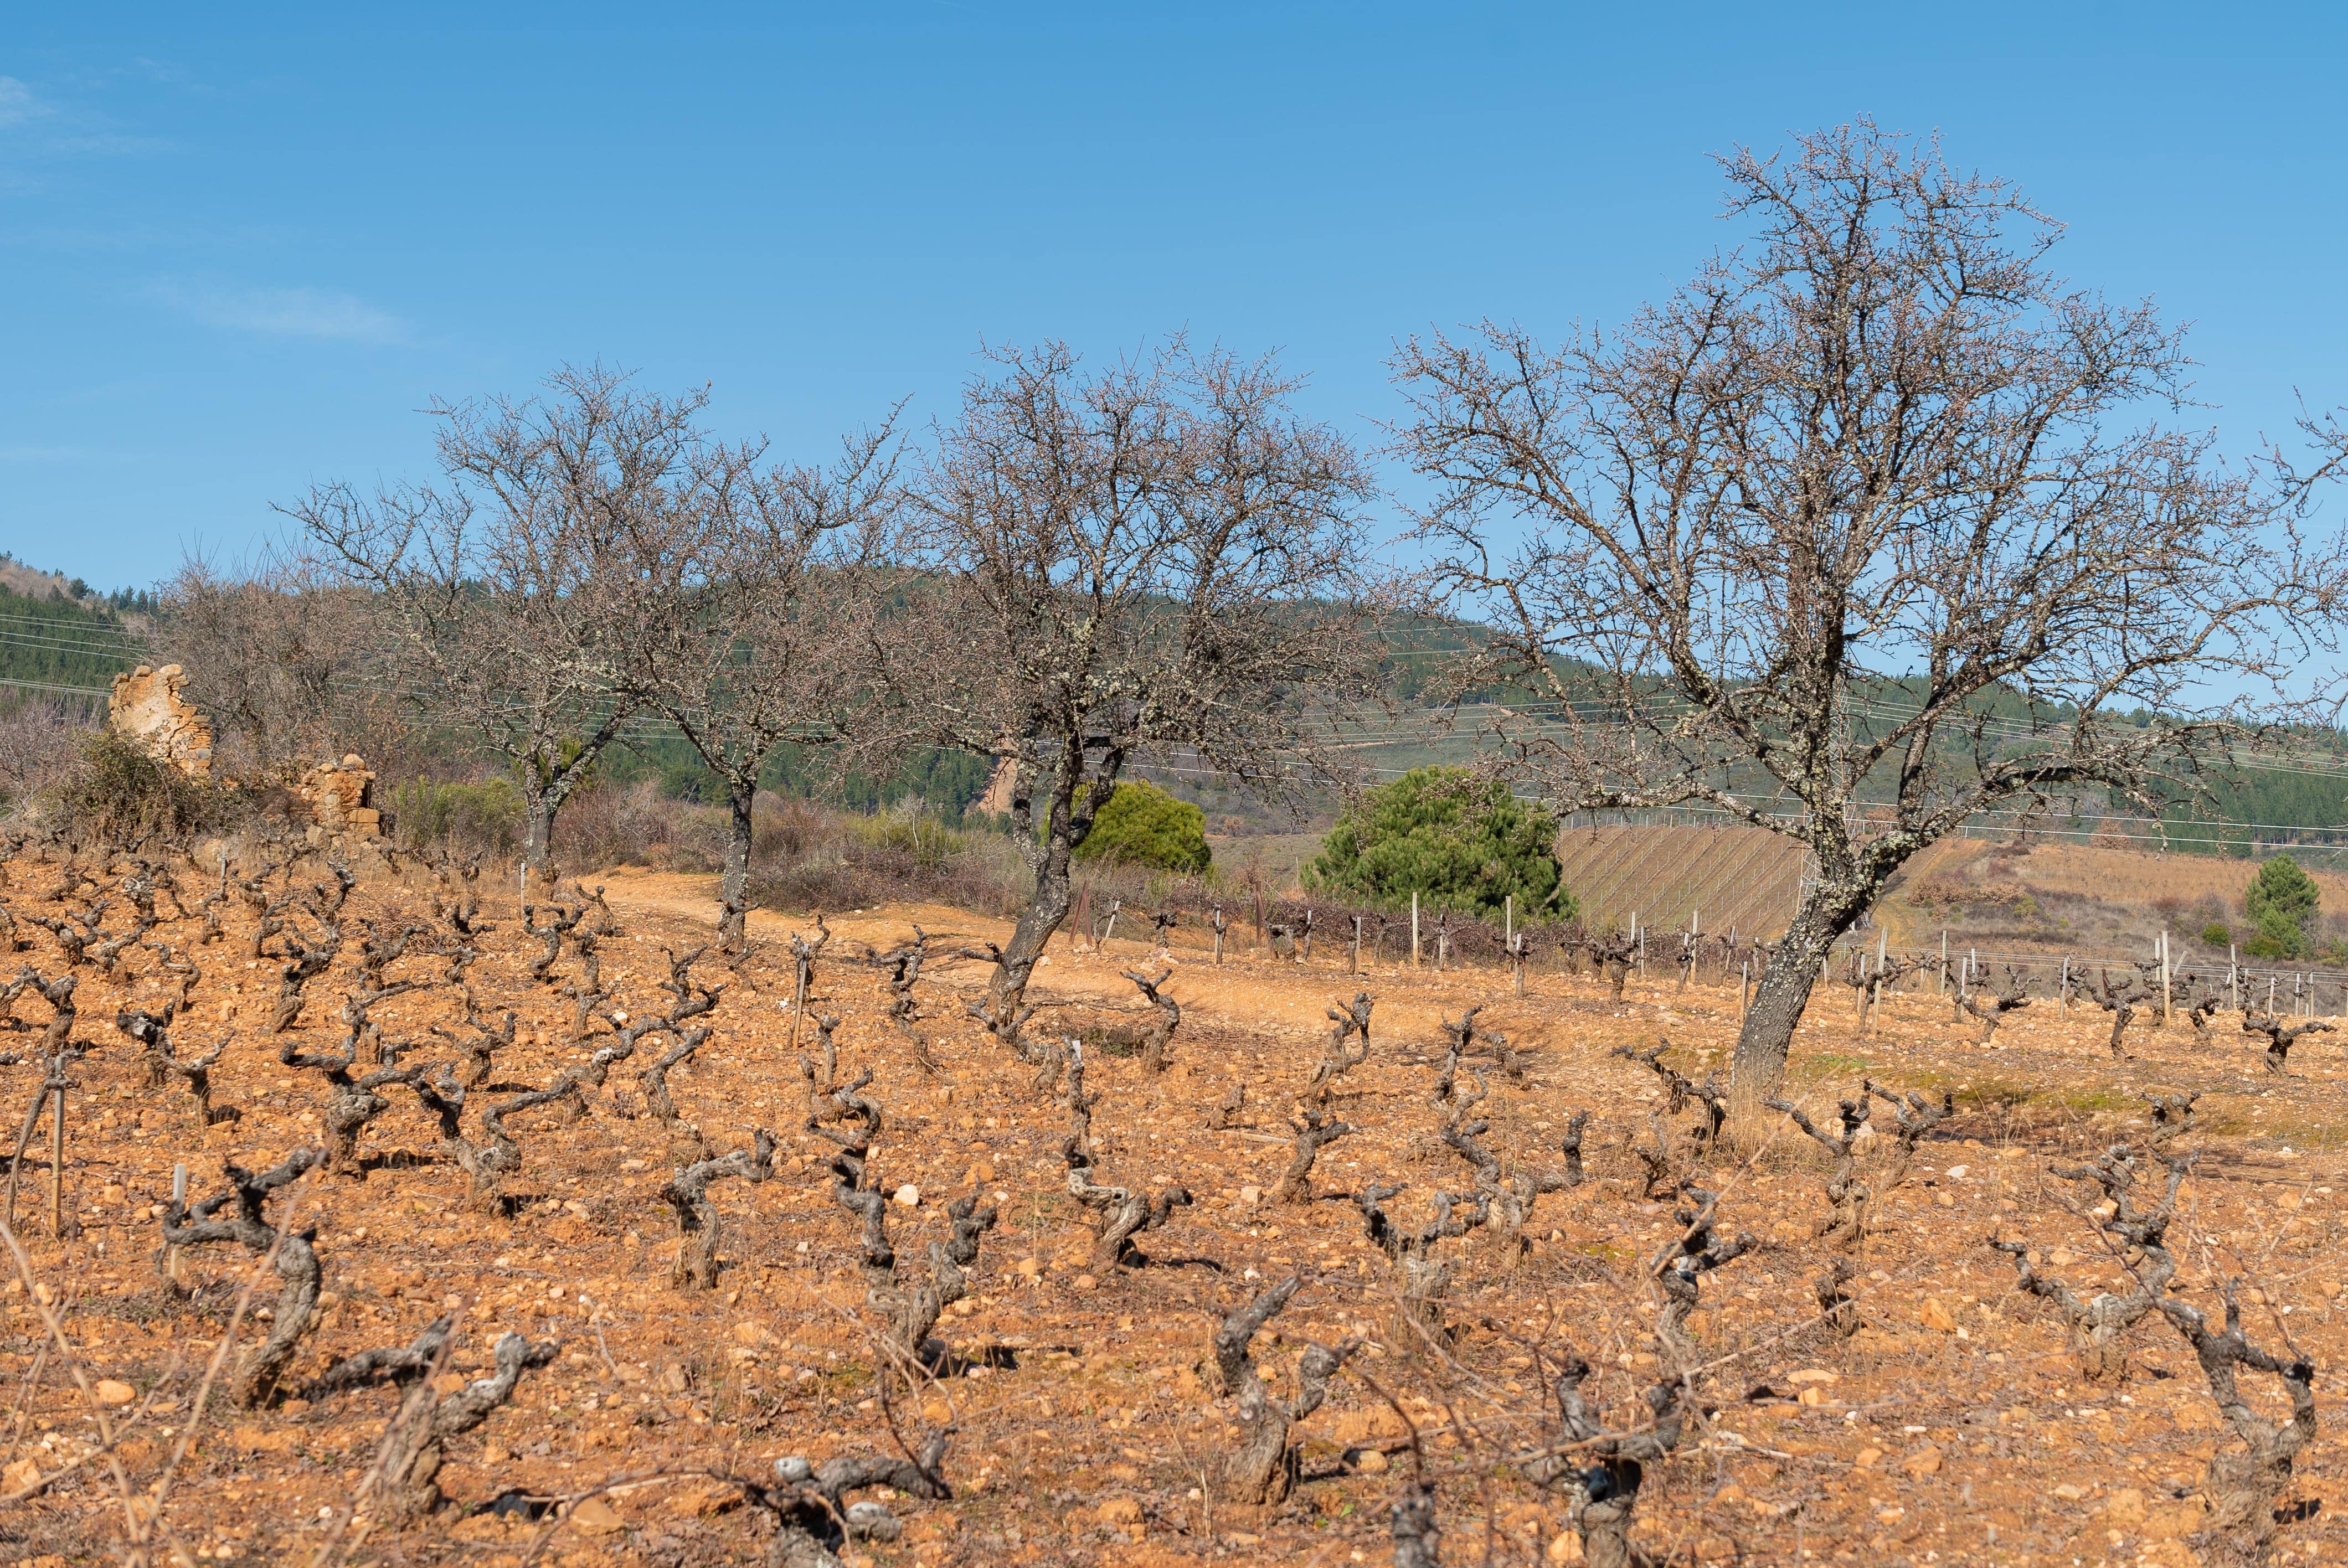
point(239, 249)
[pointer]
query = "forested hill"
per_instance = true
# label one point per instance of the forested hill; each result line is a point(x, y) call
point(57, 638)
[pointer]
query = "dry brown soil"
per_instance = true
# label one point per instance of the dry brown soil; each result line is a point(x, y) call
point(1954, 1428)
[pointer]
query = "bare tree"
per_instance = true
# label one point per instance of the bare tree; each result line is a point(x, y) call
point(497, 589)
point(1154, 558)
point(2243, 1486)
point(2280, 1036)
point(2099, 1325)
point(748, 585)
point(1262, 1467)
point(1862, 531)
point(284, 656)
point(1991, 1010)
point(297, 1311)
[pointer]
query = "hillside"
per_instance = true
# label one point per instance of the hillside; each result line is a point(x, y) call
point(59, 638)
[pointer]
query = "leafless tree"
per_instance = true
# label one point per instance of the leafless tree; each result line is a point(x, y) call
point(1164, 1021)
point(747, 586)
point(1607, 1492)
point(1914, 1115)
point(1846, 1223)
point(687, 1193)
point(1991, 1009)
point(811, 1511)
point(1262, 1467)
point(297, 1311)
point(1315, 1128)
point(1512, 1187)
point(2099, 1325)
point(908, 1299)
point(2242, 1485)
point(1152, 559)
point(38, 741)
point(498, 588)
point(1422, 1277)
point(1871, 508)
point(2121, 1001)
point(286, 659)
point(417, 1445)
point(1680, 1269)
point(1353, 1022)
point(2280, 1036)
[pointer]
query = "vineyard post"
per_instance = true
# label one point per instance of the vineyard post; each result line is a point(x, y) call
point(178, 1203)
point(58, 1165)
point(1509, 918)
point(1875, 991)
point(2164, 978)
point(1414, 928)
point(2064, 991)
point(1356, 967)
point(1744, 990)
point(2271, 991)
point(1941, 982)
point(2234, 975)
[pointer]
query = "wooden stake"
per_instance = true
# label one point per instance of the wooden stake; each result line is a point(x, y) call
point(1356, 967)
point(1414, 928)
point(2164, 978)
point(179, 1203)
point(58, 1165)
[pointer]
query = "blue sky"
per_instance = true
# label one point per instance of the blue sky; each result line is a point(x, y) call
point(239, 248)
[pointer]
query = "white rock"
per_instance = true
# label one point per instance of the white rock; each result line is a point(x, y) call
point(1957, 1173)
point(910, 1195)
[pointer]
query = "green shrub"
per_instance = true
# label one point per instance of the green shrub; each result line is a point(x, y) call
point(918, 834)
point(1143, 825)
point(117, 794)
point(2281, 899)
point(484, 816)
point(1458, 841)
point(2217, 934)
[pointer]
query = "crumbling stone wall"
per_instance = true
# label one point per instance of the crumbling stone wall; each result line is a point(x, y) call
point(146, 706)
point(341, 797)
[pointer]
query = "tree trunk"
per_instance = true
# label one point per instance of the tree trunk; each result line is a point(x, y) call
point(734, 890)
point(537, 833)
point(1760, 1069)
point(1036, 923)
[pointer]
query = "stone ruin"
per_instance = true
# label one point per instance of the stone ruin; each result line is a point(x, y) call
point(340, 796)
point(146, 706)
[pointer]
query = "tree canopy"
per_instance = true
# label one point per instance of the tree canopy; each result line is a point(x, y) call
point(1141, 825)
point(1458, 841)
point(2283, 900)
